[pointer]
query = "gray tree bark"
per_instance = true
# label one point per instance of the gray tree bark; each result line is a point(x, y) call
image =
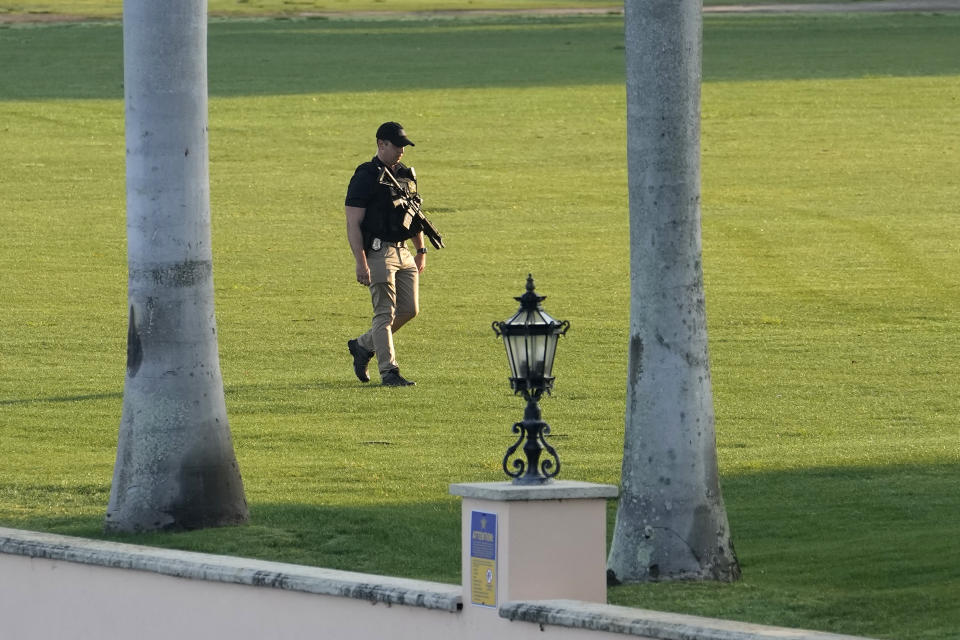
point(175, 466)
point(671, 521)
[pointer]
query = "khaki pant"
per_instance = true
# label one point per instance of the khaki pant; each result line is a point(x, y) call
point(394, 291)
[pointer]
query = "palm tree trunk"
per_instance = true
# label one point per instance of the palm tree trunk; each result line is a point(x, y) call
point(671, 521)
point(175, 465)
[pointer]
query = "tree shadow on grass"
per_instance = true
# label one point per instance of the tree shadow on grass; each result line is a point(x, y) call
point(420, 540)
point(80, 397)
point(845, 529)
point(864, 551)
point(288, 57)
point(229, 390)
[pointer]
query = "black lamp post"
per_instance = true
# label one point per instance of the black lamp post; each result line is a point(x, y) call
point(530, 337)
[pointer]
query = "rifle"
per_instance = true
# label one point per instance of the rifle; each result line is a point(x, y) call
point(411, 203)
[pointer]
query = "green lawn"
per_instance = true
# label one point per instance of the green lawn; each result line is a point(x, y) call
point(831, 257)
point(113, 8)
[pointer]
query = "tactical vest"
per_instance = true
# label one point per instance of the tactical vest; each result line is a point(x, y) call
point(386, 217)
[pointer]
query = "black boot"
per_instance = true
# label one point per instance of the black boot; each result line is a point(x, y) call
point(360, 359)
point(393, 378)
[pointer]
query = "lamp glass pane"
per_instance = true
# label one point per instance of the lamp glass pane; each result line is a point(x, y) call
point(509, 343)
point(550, 350)
point(536, 345)
point(517, 354)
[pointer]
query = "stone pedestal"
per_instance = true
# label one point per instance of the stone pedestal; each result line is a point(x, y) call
point(533, 542)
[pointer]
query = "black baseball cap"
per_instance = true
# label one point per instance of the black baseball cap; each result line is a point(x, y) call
point(393, 132)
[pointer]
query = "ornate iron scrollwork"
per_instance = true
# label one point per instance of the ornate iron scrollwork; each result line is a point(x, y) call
point(531, 469)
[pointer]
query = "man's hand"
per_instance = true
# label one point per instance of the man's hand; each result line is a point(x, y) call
point(363, 274)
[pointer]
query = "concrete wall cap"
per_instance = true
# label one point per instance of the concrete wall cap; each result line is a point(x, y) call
point(553, 490)
point(654, 625)
point(229, 569)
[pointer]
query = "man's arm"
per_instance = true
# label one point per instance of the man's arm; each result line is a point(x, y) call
point(355, 238)
point(420, 259)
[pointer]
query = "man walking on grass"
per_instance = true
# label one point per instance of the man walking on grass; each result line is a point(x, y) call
point(378, 227)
